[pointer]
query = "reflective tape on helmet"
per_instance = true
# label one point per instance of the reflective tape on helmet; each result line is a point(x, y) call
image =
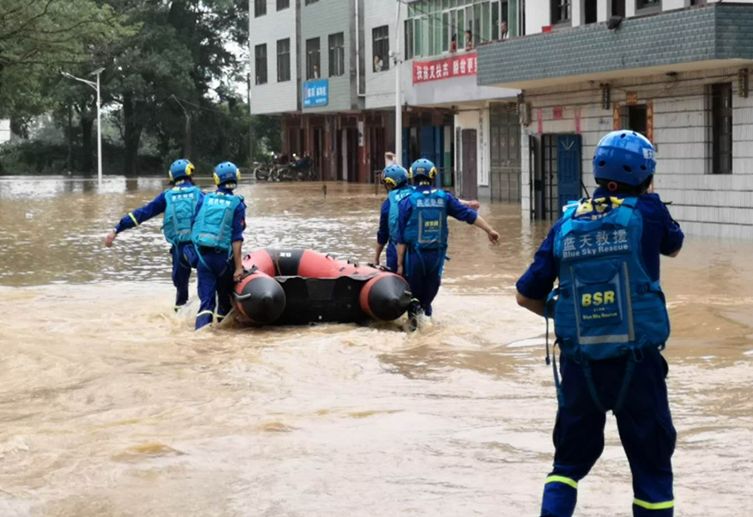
point(562, 479)
point(663, 505)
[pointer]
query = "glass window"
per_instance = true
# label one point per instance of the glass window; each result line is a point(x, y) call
point(260, 8)
point(409, 53)
point(283, 60)
point(282, 4)
point(313, 69)
point(446, 30)
point(260, 63)
point(381, 48)
point(646, 4)
point(560, 11)
point(311, 2)
point(336, 54)
point(721, 128)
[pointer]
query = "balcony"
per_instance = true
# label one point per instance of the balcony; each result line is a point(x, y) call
point(689, 39)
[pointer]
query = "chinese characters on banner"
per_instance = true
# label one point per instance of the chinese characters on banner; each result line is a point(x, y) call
point(447, 68)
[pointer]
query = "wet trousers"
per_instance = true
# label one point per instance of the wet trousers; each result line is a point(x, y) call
point(423, 271)
point(645, 427)
point(391, 257)
point(182, 258)
point(215, 272)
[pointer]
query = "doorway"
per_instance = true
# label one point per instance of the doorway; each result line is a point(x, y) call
point(556, 174)
point(504, 143)
point(468, 182)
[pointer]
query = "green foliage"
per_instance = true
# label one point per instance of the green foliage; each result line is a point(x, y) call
point(167, 86)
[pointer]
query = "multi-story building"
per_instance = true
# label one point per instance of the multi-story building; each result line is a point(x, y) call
point(5, 132)
point(677, 71)
point(338, 100)
point(462, 126)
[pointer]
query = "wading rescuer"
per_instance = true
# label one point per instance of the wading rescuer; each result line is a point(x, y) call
point(395, 179)
point(179, 206)
point(610, 322)
point(217, 237)
point(422, 235)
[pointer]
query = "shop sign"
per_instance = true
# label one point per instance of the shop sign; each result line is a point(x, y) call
point(446, 68)
point(315, 93)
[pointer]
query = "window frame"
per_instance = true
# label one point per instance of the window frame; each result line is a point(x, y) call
point(559, 7)
point(260, 8)
point(720, 124)
point(285, 76)
point(310, 52)
point(336, 54)
point(380, 42)
point(261, 60)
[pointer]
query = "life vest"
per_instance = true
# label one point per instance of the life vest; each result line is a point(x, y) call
point(606, 303)
point(179, 212)
point(396, 196)
point(427, 226)
point(213, 227)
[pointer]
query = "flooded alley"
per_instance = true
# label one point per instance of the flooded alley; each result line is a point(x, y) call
point(111, 404)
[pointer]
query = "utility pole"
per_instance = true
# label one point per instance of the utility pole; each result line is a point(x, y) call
point(398, 104)
point(94, 85)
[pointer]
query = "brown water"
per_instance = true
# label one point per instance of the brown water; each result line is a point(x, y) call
point(111, 405)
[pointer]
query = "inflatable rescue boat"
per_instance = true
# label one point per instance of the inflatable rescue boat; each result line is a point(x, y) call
point(295, 286)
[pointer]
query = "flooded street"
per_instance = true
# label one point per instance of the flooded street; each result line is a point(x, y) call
point(111, 405)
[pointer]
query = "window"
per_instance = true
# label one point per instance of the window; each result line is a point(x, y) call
point(312, 59)
point(381, 48)
point(260, 53)
point(721, 128)
point(589, 14)
point(561, 11)
point(409, 53)
point(635, 117)
point(282, 4)
point(648, 4)
point(311, 2)
point(336, 54)
point(260, 8)
point(618, 8)
point(283, 60)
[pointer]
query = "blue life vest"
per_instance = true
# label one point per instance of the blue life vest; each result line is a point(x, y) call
point(396, 196)
point(214, 223)
point(427, 226)
point(179, 211)
point(606, 303)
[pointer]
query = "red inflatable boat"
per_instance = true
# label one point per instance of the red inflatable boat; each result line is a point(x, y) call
point(294, 286)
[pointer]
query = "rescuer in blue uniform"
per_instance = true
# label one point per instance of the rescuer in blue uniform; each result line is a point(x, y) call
point(179, 206)
point(397, 182)
point(610, 324)
point(395, 179)
point(218, 236)
point(422, 234)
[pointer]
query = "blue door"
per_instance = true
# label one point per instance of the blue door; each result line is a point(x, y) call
point(568, 169)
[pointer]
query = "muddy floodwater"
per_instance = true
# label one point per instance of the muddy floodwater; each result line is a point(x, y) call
point(111, 405)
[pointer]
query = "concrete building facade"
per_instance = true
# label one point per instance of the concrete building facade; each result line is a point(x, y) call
point(677, 73)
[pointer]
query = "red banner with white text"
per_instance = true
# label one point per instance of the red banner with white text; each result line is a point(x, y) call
point(459, 65)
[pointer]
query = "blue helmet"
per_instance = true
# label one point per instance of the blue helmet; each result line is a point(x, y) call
point(625, 157)
point(423, 167)
point(180, 169)
point(394, 176)
point(226, 172)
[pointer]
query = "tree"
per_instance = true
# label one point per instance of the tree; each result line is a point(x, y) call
point(37, 37)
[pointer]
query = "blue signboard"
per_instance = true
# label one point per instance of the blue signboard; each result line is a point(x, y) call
point(315, 93)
